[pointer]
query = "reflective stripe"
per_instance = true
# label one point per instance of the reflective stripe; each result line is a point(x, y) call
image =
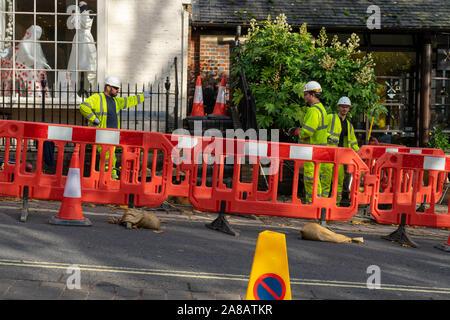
point(321, 113)
point(256, 149)
point(332, 125)
point(334, 134)
point(87, 104)
point(187, 142)
point(301, 153)
point(308, 178)
point(126, 102)
point(434, 163)
point(309, 128)
point(138, 99)
point(107, 137)
point(101, 105)
point(353, 143)
point(90, 116)
point(59, 133)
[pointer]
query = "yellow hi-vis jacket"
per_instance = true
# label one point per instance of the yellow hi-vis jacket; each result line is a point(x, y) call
point(314, 127)
point(96, 107)
point(335, 129)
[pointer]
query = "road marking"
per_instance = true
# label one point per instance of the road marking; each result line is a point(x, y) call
point(215, 276)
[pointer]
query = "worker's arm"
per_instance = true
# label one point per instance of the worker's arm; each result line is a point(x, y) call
point(88, 109)
point(131, 101)
point(309, 125)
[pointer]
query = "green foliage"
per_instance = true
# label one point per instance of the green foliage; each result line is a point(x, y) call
point(439, 139)
point(278, 62)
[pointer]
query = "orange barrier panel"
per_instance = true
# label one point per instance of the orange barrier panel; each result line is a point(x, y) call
point(404, 201)
point(370, 154)
point(257, 172)
point(144, 182)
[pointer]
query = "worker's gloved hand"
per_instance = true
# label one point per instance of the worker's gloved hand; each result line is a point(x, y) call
point(96, 122)
point(293, 131)
point(146, 94)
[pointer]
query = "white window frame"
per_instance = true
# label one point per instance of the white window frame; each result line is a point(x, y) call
point(100, 43)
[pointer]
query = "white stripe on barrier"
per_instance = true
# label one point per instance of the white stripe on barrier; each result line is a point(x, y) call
point(416, 151)
point(391, 149)
point(302, 153)
point(107, 137)
point(59, 133)
point(186, 142)
point(434, 163)
point(256, 149)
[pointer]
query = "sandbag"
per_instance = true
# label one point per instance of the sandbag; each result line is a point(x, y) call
point(138, 219)
point(314, 231)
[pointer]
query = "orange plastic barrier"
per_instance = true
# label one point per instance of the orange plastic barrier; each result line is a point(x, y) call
point(257, 173)
point(371, 153)
point(418, 166)
point(141, 181)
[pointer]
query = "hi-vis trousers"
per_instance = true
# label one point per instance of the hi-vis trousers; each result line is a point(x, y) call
point(326, 179)
point(107, 162)
point(308, 179)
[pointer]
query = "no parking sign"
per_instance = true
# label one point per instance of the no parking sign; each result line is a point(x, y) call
point(269, 278)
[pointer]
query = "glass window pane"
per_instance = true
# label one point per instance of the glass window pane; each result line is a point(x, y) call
point(45, 5)
point(64, 33)
point(63, 55)
point(24, 5)
point(23, 22)
point(47, 24)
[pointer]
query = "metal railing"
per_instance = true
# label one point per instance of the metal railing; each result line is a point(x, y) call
point(60, 105)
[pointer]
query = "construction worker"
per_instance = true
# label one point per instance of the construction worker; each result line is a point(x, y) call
point(341, 134)
point(102, 111)
point(313, 131)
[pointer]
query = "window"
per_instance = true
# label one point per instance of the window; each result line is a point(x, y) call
point(54, 40)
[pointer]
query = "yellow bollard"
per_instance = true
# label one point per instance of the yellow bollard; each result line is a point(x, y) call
point(269, 277)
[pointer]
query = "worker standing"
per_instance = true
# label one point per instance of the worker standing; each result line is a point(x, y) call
point(102, 111)
point(341, 134)
point(313, 131)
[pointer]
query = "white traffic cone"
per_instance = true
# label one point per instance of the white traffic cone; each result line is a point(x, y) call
point(70, 213)
point(198, 109)
point(220, 111)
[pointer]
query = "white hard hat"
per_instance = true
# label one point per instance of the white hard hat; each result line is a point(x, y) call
point(344, 100)
point(112, 81)
point(312, 86)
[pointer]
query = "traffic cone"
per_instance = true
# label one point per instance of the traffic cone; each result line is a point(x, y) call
point(70, 213)
point(220, 111)
point(444, 246)
point(198, 108)
point(269, 276)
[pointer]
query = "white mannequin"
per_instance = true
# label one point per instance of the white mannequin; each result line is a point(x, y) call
point(87, 52)
point(29, 55)
point(28, 50)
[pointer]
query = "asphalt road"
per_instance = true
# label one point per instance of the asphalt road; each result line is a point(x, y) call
point(186, 260)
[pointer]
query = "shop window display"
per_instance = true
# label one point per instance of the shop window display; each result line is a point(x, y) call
point(54, 40)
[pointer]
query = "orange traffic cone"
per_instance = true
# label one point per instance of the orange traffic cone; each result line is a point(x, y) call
point(220, 110)
point(198, 109)
point(444, 246)
point(70, 213)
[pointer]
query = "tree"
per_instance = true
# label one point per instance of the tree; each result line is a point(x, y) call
point(278, 62)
